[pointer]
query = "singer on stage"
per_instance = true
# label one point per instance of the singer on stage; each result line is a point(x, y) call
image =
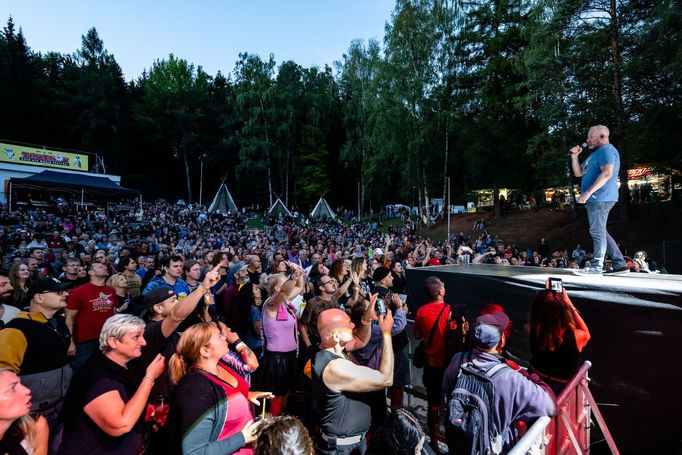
point(599, 193)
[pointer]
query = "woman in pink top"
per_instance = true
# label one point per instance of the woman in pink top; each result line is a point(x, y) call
point(280, 372)
point(209, 407)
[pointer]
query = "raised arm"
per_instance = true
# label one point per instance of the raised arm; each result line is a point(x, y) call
point(299, 283)
point(117, 418)
point(344, 287)
point(186, 306)
point(343, 375)
point(245, 353)
point(575, 162)
point(582, 333)
point(363, 332)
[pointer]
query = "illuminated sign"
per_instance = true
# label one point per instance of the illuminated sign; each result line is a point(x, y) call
point(640, 171)
point(18, 154)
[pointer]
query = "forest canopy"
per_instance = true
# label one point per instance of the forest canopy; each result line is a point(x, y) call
point(489, 93)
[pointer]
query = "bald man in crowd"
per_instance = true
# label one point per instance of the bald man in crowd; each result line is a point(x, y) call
point(339, 384)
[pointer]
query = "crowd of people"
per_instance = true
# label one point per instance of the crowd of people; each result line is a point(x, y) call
point(179, 330)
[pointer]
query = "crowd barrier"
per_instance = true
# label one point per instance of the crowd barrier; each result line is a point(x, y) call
point(569, 431)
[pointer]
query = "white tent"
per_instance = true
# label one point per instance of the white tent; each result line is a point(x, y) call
point(323, 210)
point(278, 209)
point(222, 201)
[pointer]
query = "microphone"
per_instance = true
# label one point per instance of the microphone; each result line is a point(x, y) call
point(583, 146)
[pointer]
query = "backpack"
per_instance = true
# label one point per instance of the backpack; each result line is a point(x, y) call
point(457, 338)
point(469, 423)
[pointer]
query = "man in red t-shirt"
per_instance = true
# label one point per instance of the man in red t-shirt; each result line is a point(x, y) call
point(434, 312)
point(87, 307)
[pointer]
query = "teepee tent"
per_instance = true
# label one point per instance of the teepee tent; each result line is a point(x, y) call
point(322, 210)
point(278, 209)
point(222, 201)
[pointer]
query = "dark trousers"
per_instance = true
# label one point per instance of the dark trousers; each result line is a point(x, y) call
point(330, 448)
point(84, 351)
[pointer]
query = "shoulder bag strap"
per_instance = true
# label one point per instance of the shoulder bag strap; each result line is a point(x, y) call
point(435, 325)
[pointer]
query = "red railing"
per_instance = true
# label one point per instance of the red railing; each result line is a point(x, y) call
point(569, 431)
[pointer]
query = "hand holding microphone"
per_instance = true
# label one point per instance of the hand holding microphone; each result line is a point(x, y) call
point(577, 149)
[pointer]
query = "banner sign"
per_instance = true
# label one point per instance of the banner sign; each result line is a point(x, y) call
point(17, 154)
point(640, 171)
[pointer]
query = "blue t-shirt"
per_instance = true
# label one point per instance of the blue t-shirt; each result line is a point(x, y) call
point(181, 288)
point(606, 154)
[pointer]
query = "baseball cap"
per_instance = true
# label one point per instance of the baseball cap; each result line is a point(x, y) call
point(158, 295)
point(489, 329)
point(380, 274)
point(434, 261)
point(238, 267)
point(45, 285)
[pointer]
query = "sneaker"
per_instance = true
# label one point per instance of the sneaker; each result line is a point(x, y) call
point(589, 271)
point(617, 270)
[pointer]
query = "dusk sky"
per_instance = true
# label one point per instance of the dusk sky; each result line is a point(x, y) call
point(207, 33)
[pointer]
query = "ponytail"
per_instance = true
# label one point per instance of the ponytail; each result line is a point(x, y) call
point(188, 349)
point(177, 368)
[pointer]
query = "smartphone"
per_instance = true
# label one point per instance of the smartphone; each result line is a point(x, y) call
point(380, 307)
point(556, 285)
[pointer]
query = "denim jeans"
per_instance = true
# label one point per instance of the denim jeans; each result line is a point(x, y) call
point(598, 214)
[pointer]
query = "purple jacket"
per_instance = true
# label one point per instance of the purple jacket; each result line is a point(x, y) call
point(518, 395)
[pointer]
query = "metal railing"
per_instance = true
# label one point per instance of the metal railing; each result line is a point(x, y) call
point(569, 431)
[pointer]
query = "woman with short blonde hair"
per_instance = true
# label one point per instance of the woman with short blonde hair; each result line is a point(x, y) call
point(102, 404)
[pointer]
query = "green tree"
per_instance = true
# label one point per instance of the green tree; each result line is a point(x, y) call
point(254, 108)
point(358, 72)
point(320, 98)
point(175, 94)
point(591, 62)
point(490, 87)
point(19, 83)
point(98, 97)
point(314, 176)
point(411, 72)
point(288, 92)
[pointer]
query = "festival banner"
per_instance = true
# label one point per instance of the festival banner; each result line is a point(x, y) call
point(17, 154)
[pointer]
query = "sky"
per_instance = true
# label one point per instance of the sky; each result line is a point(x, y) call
point(209, 33)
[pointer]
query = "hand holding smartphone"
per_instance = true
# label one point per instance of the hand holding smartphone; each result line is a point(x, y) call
point(555, 284)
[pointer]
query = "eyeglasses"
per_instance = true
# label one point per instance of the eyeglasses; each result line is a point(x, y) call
point(60, 292)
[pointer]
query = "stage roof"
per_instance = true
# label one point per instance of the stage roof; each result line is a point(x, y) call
point(87, 182)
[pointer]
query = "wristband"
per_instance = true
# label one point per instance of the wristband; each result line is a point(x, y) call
point(151, 378)
point(239, 347)
point(365, 323)
point(236, 343)
point(202, 289)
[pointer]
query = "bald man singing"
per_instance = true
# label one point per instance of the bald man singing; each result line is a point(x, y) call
point(339, 383)
point(599, 193)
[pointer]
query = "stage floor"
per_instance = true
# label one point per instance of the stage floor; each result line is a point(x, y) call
point(636, 325)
